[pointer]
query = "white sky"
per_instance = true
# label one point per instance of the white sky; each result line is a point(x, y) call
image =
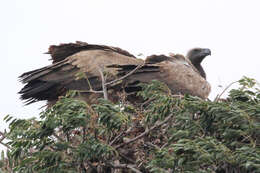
point(230, 28)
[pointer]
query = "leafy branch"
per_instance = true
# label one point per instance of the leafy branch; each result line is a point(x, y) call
point(165, 133)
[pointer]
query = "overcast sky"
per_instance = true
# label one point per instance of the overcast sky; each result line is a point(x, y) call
point(230, 28)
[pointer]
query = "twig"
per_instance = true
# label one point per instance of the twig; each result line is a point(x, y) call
point(178, 96)
point(164, 145)
point(117, 137)
point(158, 124)
point(146, 102)
point(103, 84)
point(124, 166)
point(152, 145)
point(123, 133)
point(125, 76)
point(218, 96)
point(81, 75)
point(89, 91)
point(126, 158)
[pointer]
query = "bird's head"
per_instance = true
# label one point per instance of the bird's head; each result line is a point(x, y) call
point(196, 56)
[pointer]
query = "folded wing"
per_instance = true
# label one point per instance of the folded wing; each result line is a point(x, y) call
point(177, 72)
point(70, 61)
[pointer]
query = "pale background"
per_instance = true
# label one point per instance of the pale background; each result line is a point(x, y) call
point(230, 28)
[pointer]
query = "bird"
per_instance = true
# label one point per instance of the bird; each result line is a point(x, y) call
point(183, 75)
point(79, 66)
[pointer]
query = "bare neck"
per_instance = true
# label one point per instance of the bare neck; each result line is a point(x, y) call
point(200, 69)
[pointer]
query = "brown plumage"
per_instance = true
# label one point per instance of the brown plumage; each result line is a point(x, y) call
point(70, 61)
point(178, 72)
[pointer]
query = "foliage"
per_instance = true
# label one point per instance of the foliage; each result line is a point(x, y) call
point(166, 133)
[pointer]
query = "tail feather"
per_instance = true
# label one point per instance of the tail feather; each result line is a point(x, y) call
point(39, 90)
point(46, 83)
point(34, 74)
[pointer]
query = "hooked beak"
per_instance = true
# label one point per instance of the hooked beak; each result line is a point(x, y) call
point(206, 52)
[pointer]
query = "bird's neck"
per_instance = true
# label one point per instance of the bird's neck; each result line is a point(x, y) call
point(196, 60)
point(200, 69)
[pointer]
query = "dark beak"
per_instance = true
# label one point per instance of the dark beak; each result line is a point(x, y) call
point(206, 52)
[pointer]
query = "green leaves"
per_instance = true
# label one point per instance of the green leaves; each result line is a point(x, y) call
point(68, 113)
point(166, 133)
point(161, 103)
point(111, 116)
point(210, 136)
point(93, 149)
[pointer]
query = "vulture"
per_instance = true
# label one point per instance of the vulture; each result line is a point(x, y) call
point(81, 66)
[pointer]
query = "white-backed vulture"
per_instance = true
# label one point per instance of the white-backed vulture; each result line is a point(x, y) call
point(76, 66)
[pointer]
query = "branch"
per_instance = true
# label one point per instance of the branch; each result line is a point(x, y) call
point(89, 91)
point(123, 133)
point(218, 96)
point(124, 166)
point(158, 124)
point(103, 84)
point(116, 138)
point(152, 145)
point(164, 145)
point(126, 158)
point(147, 102)
point(125, 76)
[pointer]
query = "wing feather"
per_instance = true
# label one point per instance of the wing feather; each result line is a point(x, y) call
point(180, 77)
point(50, 82)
